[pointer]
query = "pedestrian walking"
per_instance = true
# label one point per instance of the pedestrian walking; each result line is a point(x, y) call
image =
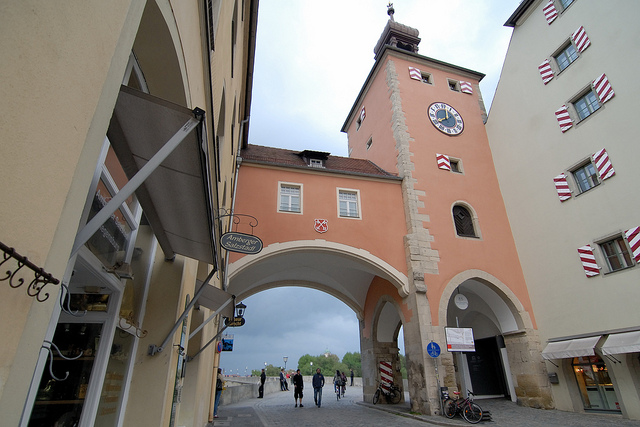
point(318, 383)
point(352, 377)
point(298, 385)
point(219, 387)
point(263, 377)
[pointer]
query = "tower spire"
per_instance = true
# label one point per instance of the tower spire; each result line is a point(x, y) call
point(390, 11)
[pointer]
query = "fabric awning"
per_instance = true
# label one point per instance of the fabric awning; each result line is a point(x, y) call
point(570, 348)
point(176, 197)
point(213, 298)
point(627, 342)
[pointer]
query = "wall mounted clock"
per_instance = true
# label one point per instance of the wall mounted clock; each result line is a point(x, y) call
point(445, 118)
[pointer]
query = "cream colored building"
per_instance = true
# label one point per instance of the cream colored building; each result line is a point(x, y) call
point(563, 133)
point(95, 95)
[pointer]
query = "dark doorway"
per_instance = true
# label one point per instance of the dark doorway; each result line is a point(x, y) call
point(485, 367)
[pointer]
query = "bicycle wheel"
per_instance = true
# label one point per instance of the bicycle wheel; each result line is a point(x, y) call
point(394, 395)
point(449, 408)
point(472, 413)
point(376, 396)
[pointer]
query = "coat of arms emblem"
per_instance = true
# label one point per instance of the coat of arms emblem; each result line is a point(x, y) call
point(321, 225)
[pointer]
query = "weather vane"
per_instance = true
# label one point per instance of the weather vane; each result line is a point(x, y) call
point(390, 10)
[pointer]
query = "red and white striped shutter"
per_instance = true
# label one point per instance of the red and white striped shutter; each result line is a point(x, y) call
point(386, 375)
point(581, 39)
point(415, 74)
point(363, 114)
point(603, 88)
point(603, 164)
point(562, 187)
point(465, 87)
point(588, 261)
point(545, 71)
point(550, 12)
point(633, 237)
point(564, 120)
point(443, 161)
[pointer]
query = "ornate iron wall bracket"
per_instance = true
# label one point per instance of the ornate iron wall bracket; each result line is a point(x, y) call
point(237, 218)
point(65, 302)
point(40, 280)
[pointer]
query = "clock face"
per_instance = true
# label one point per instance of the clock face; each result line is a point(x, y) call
point(445, 118)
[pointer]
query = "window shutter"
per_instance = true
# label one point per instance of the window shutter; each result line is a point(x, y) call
point(580, 39)
point(603, 88)
point(550, 12)
point(465, 87)
point(588, 261)
point(443, 161)
point(603, 164)
point(565, 122)
point(545, 71)
point(415, 73)
point(633, 237)
point(562, 187)
point(363, 114)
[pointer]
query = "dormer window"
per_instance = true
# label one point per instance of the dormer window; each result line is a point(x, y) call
point(316, 163)
point(314, 159)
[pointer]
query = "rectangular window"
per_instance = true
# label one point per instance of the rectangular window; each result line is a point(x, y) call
point(348, 204)
point(426, 78)
point(616, 254)
point(567, 55)
point(585, 177)
point(586, 105)
point(455, 165)
point(369, 142)
point(565, 3)
point(290, 198)
point(316, 163)
point(454, 85)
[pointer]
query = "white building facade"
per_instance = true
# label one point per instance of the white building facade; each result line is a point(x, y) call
point(562, 132)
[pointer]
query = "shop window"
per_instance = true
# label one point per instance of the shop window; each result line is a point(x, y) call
point(596, 388)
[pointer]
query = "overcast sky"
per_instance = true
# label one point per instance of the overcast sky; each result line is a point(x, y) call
point(312, 58)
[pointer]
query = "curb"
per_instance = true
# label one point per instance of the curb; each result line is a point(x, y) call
point(436, 419)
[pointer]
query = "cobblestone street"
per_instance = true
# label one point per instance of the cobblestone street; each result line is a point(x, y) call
point(278, 409)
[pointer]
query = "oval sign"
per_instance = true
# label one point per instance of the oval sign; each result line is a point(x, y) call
point(240, 242)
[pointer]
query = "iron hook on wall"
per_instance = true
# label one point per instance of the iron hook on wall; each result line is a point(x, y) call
point(48, 348)
point(40, 280)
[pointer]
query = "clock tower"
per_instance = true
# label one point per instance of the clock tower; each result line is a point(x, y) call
point(424, 120)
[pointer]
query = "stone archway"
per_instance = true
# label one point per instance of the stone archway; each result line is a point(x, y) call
point(504, 332)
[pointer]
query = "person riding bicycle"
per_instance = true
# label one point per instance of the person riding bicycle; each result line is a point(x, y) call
point(337, 382)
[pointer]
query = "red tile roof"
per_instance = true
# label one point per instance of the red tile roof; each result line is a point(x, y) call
point(292, 158)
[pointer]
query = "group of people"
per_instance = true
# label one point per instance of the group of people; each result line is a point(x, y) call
point(317, 382)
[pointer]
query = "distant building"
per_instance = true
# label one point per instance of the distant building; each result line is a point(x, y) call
point(563, 135)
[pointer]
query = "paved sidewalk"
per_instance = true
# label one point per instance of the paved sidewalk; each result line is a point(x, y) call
point(277, 409)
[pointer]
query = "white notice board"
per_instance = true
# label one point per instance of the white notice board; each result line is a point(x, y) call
point(460, 339)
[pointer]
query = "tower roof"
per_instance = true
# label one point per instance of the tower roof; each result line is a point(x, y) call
point(397, 35)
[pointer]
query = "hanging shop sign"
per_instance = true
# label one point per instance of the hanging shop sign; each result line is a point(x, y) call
point(235, 322)
point(227, 343)
point(241, 243)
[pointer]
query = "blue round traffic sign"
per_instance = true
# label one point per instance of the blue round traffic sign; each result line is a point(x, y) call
point(433, 349)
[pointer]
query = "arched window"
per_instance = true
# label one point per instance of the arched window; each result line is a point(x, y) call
point(464, 222)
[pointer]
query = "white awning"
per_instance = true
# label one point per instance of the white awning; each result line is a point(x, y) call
point(213, 298)
point(627, 342)
point(570, 348)
point(176, 197)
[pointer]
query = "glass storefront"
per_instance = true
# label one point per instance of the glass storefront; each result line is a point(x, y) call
point(596, 388)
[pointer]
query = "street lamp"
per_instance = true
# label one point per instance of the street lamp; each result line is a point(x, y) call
point(240, 309)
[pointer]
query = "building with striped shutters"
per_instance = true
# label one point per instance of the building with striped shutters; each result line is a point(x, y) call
point(563, 131)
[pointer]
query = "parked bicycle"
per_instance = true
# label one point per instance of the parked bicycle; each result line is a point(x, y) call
point(393, 394)
point(470, 411)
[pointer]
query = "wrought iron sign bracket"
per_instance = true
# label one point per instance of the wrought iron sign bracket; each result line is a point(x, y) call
point(40, 280)
point(236, 218)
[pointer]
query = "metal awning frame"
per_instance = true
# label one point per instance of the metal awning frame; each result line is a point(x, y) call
point(135, 182)
point(154, 349)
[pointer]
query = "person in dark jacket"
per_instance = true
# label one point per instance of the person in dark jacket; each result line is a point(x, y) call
point(263, 377)
point(318, 383)
point(298, 385)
